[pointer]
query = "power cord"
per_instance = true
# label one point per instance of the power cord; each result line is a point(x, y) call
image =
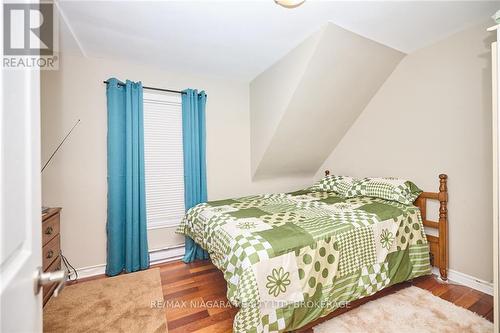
point(69, 268)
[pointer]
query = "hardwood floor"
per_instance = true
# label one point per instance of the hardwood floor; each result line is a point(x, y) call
point(196, 296)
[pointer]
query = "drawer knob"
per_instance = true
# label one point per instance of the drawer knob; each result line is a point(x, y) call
point(49, 231)
point(50, 254)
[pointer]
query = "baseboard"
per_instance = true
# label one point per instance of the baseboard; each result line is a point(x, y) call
point(156, 256)
point(467, 280)
point(159, 256)
point(90, 271)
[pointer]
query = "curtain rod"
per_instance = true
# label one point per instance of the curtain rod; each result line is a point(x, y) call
point(152, 88)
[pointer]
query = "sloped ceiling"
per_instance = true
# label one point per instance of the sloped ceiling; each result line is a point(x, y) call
point(240, 39)
point(303, 105)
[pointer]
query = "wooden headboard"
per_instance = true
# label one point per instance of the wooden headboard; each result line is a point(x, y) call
point(438, 245)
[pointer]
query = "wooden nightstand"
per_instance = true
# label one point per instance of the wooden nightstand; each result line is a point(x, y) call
point(51, 247)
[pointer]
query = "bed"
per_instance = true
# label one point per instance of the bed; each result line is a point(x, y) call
point(291, 258)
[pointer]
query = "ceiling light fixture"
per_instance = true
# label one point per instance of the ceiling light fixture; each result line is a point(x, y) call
point(289, 3)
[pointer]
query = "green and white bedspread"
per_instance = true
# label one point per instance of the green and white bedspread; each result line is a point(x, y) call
point(291, 258)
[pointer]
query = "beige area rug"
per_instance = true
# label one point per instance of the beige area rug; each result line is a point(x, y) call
point(409, 310)
point(117, 304)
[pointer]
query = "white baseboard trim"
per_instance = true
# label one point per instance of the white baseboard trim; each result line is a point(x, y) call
point(156, 256)
point(90, 271)
point(159, 256)
point(467, 280)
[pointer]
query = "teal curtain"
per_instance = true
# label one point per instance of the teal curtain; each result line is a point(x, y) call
point(195, 171)
point(127, 246)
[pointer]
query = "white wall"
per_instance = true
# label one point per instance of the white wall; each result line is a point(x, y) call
point(433, 115)
point(271, 92)
point(76, 178)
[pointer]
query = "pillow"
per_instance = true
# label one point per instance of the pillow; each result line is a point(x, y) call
point(337, 184)
point(393, 189)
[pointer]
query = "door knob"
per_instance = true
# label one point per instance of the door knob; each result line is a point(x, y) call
point(42, 279)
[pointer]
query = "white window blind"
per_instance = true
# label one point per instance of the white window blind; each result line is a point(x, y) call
point(163, 159)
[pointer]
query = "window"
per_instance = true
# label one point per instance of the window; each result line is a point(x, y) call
point(163, 159)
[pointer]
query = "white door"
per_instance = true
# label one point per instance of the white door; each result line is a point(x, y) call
point(20, 224)
point(495, 52)
point(495, 75)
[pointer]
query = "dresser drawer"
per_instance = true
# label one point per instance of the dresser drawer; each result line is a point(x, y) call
point(50, 228)
point(49, 288)
point(50, 252)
